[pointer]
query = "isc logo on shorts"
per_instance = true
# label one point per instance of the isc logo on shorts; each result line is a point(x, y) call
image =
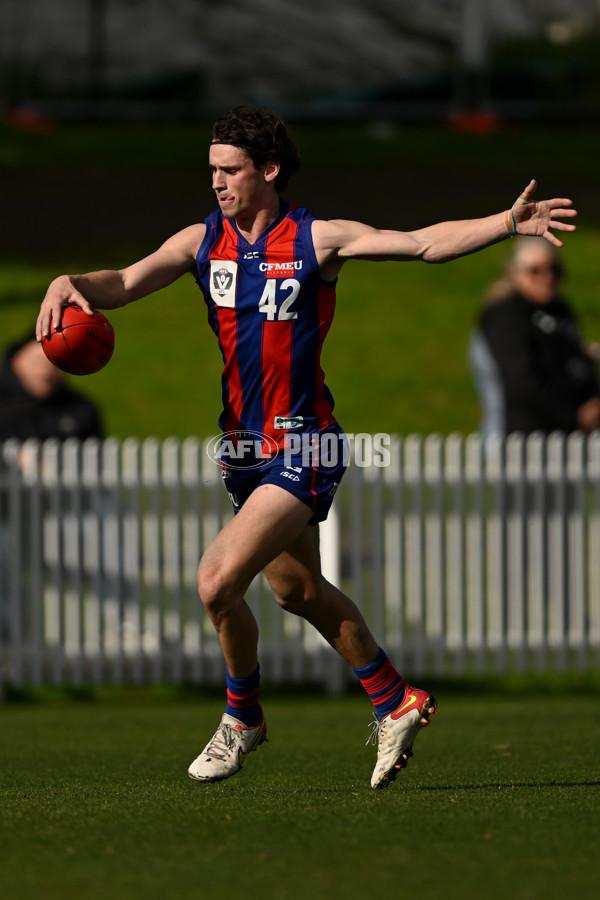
point(290, 475)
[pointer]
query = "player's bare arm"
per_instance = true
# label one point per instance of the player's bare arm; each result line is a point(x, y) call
point(111, 289)
point(337, 241)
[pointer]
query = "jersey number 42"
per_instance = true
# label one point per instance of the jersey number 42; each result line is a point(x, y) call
point(278, 299)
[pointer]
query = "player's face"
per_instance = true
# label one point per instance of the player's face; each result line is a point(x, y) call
point(240, 187)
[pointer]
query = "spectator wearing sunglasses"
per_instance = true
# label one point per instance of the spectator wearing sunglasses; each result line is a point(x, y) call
point(531, 367)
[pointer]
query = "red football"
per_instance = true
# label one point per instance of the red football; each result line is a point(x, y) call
point(83, 344)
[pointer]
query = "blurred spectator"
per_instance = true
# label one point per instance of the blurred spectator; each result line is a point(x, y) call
point(36, 403)
point(531, 368)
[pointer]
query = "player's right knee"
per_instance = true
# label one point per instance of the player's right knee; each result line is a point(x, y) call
point(216, 588)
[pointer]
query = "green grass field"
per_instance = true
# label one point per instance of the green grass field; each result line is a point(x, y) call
point(500, 800)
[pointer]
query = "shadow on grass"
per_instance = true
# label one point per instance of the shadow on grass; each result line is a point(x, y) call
point(508, 785)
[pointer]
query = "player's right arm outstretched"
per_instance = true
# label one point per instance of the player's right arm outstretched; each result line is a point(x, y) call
point(110, 289)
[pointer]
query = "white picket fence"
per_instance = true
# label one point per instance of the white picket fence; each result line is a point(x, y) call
point(463, 558)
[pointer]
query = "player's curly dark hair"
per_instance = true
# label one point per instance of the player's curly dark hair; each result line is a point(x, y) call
point(263, 136)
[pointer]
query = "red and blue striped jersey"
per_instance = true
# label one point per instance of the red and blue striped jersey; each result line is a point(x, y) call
point(270, 310)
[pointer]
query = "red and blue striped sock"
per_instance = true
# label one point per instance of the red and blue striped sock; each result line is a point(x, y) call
point(242, 698)
point(383, 684)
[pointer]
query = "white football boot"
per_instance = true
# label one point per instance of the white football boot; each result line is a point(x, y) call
point(224, 754)
point(395, 735)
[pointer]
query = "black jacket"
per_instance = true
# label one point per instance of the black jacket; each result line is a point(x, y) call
point(544, 369)
point(65, 414)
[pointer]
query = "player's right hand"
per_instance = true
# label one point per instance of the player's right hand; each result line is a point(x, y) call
point(61, 292)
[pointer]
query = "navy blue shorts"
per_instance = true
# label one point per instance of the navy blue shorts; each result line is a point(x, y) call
point(310, 475)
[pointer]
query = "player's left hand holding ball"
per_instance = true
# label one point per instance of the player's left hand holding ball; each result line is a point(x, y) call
point(82, 344)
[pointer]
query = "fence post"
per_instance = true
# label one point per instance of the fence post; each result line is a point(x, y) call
point(454, 477)
point(476, 575)
point(593, 562)
point(537, 547)
point(578, 576)
point(558, 582)
point(516, 548)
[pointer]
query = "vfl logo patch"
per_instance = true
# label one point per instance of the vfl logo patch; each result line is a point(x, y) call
point(223, 281)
